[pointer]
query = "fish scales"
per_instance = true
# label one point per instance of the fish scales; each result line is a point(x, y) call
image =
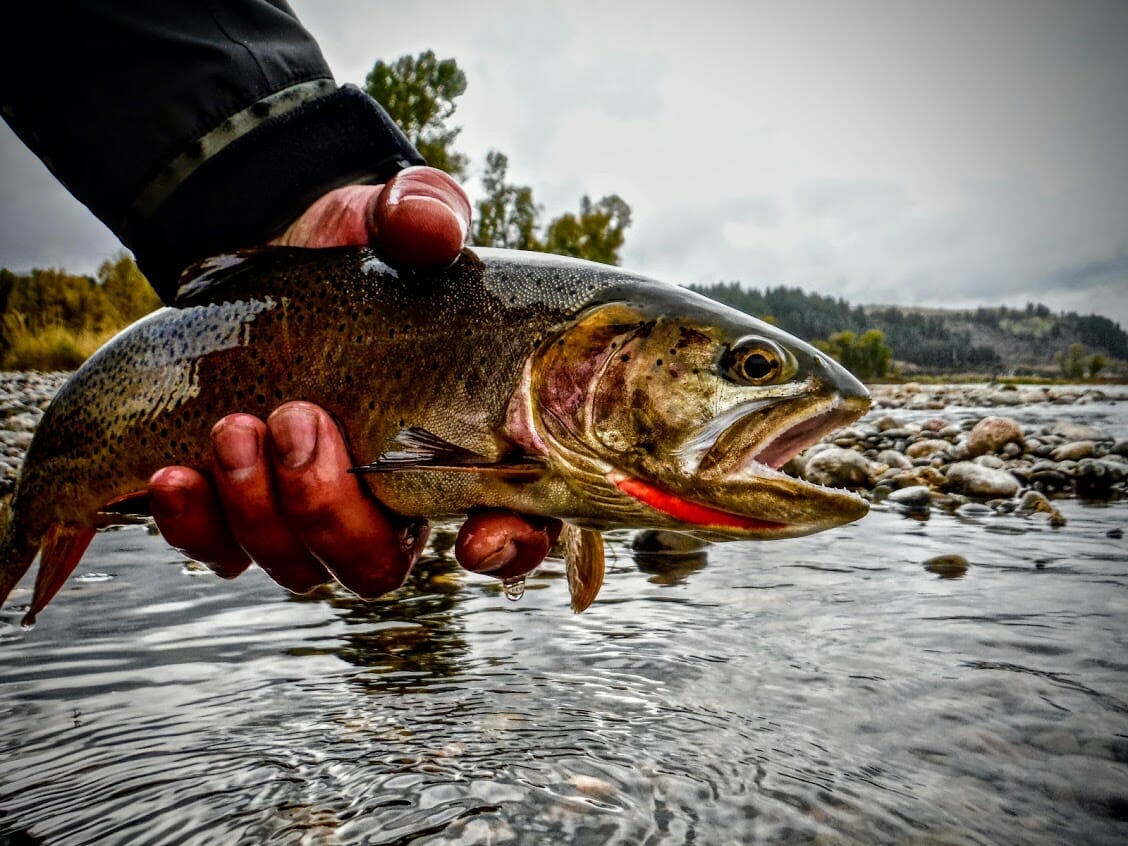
point(521, 360)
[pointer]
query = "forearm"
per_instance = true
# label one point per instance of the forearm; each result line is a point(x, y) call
point(190, 128)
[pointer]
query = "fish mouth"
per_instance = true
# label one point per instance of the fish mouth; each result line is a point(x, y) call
point(771, 438)
point(737, 488)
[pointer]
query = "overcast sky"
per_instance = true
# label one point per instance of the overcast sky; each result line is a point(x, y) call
point(886, 151)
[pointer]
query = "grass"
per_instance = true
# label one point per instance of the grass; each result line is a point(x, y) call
point(50, 347)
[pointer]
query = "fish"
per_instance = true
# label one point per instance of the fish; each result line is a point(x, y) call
point(545, 385)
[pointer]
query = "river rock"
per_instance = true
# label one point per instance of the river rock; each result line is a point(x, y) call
point(914, 497)
point(1074, 451)
point(975, 480)
point(1034, 502)
point(663, 542)
point(992, 461)
point(1095, 478)
point(839, 468)
point(926, 448)
point(1071, 431)
point(892, 458)
point(947, 566)
point(991, 434)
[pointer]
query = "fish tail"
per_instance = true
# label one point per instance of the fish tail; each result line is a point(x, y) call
point(63, 547)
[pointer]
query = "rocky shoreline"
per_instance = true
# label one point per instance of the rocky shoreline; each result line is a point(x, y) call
point(977, 464)
point(987, 463)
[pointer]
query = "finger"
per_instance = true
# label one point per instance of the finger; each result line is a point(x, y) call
point(504, 544)
point(357, 541)
point(421, 218)
point(189, 517)
point(243, 483)
point(339, 218)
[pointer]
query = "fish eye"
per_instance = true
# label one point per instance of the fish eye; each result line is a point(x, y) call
point(751, 362)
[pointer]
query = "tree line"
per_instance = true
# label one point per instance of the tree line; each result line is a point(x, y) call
point(867, 340)
point(53, 320)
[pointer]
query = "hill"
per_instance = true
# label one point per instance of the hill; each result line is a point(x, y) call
point(1032, 341)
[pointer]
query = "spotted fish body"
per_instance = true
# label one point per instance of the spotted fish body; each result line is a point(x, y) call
point(511, 380)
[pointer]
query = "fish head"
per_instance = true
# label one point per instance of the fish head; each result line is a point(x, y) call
point(674, 411)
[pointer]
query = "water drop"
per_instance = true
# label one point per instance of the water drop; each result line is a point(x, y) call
point(514, 588)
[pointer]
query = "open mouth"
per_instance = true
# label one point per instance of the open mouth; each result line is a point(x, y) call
point(773, 437)
point(756, 445)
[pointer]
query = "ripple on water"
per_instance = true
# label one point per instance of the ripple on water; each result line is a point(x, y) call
point(825, 689)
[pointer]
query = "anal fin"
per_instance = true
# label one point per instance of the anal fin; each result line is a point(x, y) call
point(584, 560)
point(63, 547)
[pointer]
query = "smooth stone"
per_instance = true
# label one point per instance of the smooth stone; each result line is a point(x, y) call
point(973, 479)
point(926, 448)
point(1074, 451)
point(915, 496)
point(839, 468)
point(1095, 478)
point(991, 434)
point(975, 509)
point(1012, 451)
point(663, 542)
point(892, 458)
point(947, 566)
point(1033, 501)
point(992, 461)
point(1051, 480)
point(1071, 431)
point(25, 422)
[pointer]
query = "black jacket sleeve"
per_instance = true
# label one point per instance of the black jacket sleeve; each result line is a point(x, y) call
point(189, 127)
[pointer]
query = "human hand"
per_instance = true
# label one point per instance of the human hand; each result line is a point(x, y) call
point(280, 492)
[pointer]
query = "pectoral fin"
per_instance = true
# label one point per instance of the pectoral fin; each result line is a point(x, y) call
point(583, 554)
point(419, 449)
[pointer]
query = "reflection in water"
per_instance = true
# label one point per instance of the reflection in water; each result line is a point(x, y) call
point(668, 557)
point(827, 689)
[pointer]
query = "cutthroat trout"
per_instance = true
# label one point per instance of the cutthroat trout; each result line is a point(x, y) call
point(548, 386)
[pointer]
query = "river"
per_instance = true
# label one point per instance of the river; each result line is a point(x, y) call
point(827, 689)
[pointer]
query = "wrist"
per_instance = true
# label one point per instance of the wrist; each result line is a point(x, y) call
point(262, 180)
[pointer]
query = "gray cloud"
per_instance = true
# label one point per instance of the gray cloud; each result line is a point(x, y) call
point(41, 224)
point(896, 151)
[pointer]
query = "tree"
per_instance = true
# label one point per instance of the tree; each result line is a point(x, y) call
point(419, 94)
point(1096, 365)
point(597, 234)
point(507, 215)
point(1072, 361)
point(125, 287)
point(865, 356)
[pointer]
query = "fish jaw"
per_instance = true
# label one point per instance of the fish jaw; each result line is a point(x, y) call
point(732, 487)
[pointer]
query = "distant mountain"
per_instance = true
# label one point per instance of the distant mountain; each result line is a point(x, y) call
point(992, 341)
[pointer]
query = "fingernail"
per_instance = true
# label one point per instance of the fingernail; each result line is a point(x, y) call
point(237, 447)
point(294, 431)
